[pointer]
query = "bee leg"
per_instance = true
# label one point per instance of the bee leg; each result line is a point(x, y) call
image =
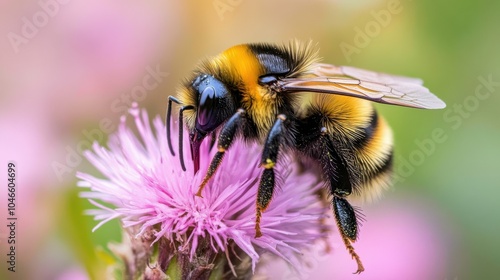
point(348, 227)
point(336, 168)
point(268, 161)
point(225, 140)
point(341, 187)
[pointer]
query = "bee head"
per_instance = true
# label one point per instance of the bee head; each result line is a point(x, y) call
point(214, 106)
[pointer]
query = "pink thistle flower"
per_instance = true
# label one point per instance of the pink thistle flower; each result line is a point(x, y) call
point(148, 191)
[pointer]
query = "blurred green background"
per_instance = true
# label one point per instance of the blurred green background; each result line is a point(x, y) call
point(68, 78)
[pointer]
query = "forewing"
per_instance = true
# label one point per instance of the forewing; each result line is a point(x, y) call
point(374, 86)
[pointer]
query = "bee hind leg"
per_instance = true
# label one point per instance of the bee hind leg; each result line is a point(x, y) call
point(345, 217)
point(341, 187)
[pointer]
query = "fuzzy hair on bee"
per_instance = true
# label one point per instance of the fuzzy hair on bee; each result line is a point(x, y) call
point(282, 97)
point(247, 62)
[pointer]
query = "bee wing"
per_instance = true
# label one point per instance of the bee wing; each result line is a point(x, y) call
point(373, 86)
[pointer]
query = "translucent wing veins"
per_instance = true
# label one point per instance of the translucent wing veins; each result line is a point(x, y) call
point(377, 87)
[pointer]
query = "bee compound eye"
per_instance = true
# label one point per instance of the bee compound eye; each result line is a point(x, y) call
point(208, 104)
point(213, 102)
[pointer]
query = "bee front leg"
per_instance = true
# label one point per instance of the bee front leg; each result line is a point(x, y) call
point(226, 138)
point(268, 161)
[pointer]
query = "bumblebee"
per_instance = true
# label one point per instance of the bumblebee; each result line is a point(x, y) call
point(282, 97)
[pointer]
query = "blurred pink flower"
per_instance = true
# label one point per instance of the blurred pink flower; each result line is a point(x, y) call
point(92, 56)
point(148, 189)
point(398, 241)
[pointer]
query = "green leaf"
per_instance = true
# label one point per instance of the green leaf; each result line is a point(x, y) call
point(173, 270)
point(76, 228)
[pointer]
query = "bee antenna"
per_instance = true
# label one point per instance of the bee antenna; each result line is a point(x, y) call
point(167, 121)
point(181, 132)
